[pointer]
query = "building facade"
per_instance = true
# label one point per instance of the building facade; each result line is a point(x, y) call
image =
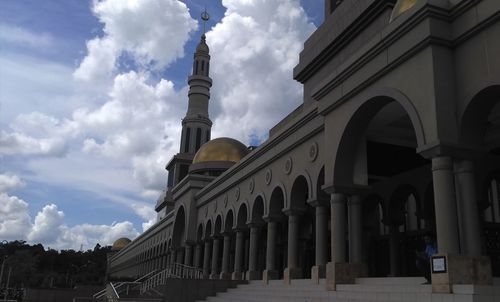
point(398, 137)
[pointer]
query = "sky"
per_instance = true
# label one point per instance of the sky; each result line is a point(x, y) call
point(92, 93)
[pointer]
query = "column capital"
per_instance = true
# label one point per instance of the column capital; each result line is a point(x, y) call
point(439, 148)
point(463, 166)
point(275, 218)
point(314, 202)
point(442, 163)
point(293, 212)
point(256, 224)
point(347, 189)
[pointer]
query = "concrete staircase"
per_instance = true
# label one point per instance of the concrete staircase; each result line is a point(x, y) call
point(365, 290)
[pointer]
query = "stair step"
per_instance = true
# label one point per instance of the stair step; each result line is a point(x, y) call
point(391, 281)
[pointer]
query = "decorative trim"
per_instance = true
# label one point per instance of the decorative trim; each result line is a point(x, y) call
point(288, 166)
point(312, 153)
point(269, 176)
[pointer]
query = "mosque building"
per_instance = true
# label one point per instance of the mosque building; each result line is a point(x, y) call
point(398, 137)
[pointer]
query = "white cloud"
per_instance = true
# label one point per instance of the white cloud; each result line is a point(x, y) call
point(153, 32)
point(254, 49)
point(49, 226)
point(10, 182)
point(17, 35)
point(14, 218)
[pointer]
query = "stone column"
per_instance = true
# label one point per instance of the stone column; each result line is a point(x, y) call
point(319, 270)
point(206, 258)
point(215, 258)
point(197, 255)
point(466, 189)
point(271, 273)
point(355, 230)
point(253, 274)
point(225, 257)
point(394, 250)
point(338, 210)
point(238, 257)
point(293, 271)
point(445, 205)
point(188, 257)
point(180, 256)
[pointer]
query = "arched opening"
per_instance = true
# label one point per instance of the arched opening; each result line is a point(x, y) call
point(276, 205)
point(258, 221)
point(228, 230)
point(480, 128)
point(241, 224)
point(405, 230)
point(298, 202)
point(376, 236)
point(377, 150)
point(199, 241)
point(179, 228)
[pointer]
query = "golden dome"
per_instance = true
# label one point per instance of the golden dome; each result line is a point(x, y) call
point(120, 243)
point(221, 149)
point(401, 7)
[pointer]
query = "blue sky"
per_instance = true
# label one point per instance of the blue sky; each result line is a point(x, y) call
point(92, 95)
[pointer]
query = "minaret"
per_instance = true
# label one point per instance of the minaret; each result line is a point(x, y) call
point(196, 125)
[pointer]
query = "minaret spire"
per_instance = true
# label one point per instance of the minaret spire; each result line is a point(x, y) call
point(196, 125)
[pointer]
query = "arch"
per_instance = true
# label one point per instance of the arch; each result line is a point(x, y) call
point(218, 225)
point(474, 120)
point(321, 195)
point(228, 221)
point(277, 202)
point(242, 218)
point(208, 229)
point(398, 203)
point(257, 209)
point(199, 233)
point(375, 215)
point(372, 103)
point(179, 227)
point(300, 192)
point(489, 206)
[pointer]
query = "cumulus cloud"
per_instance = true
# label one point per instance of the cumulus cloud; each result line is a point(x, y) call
point(15, 221)
point(254, 49)
point(49, 226)
point(141, 29)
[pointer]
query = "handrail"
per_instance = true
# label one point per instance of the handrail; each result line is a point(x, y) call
point(175, 270)
point(102, 293)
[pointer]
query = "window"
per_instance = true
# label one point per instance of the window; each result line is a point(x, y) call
point(198, 139)
point(208, 135)
point(186, 142)
point(195, 71)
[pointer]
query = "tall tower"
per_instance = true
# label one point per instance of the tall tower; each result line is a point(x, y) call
point(196, 125)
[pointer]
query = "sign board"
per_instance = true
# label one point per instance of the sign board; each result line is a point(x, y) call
point(438, 264)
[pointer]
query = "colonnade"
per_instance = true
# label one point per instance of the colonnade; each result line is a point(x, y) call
point(457, 226)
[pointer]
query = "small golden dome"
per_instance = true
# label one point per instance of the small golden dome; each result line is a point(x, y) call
point(221, 149)
point(120, 243)
point(401, 7)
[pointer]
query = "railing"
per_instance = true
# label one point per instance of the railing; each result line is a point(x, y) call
point(175, 270)
point(111, 293)
point(120, 287)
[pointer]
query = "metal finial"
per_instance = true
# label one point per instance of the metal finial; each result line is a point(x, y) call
point(205, 17)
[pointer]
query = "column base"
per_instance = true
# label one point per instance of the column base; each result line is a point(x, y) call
point(343, 273)
point(270, 275)
point(214, 276)
point(253, 275)
point(237, 276)
point(459, 269)
point(291, 273)
point(318, 272)
point(225, 276)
